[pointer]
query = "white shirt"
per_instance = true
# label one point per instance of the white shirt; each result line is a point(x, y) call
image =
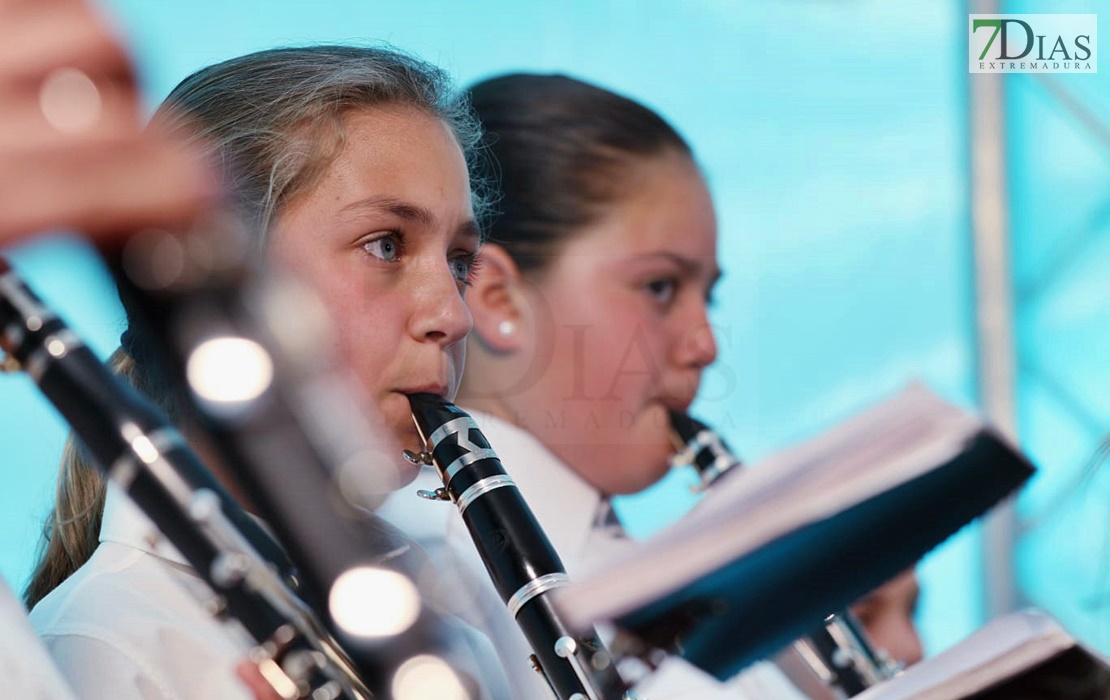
point(133, 623)
point(565, 507)
point(130, 622)
point(26, 670)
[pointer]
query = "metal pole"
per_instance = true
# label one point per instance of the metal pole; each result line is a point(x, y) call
point(994, 313)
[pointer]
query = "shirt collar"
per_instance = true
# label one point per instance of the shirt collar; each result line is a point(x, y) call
point(560, 499)
point(125, 523)
point(564, 503)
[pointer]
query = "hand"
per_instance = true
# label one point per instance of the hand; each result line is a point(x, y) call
point(72, 151)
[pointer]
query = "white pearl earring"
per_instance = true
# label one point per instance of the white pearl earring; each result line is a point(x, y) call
point(506, 328)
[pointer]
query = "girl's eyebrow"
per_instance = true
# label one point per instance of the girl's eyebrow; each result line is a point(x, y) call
point(408, 212)
point(690, 266)
point(469, 229)
point(391, 205)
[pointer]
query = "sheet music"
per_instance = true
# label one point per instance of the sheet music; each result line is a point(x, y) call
point(887, 445)
point(1001, 649)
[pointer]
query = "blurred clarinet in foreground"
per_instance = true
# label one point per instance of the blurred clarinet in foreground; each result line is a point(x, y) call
point(838, 653)
point(516, 552)
point(250, 350)
point(134, 444)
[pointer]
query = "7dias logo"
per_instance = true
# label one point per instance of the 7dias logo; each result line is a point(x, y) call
point(1032, 43)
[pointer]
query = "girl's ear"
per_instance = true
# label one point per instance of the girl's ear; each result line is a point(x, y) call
point(496, 301)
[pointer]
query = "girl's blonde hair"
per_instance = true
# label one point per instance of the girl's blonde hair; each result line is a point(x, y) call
point(72, 530)
point(272, 122)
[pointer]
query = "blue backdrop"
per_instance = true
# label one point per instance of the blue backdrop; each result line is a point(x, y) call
point(834, 136)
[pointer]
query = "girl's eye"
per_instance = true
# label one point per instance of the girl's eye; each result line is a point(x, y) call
point(662, 291)
point(386, 248)
point(464, 266)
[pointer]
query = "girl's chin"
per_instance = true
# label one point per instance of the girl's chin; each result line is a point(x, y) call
point(405, 434)
point(406, 473)
point(366, 481)
point(395, 416)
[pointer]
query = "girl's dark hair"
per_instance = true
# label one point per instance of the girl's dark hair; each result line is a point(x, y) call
point(561, 150)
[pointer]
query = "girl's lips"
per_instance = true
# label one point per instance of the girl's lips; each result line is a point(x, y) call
point(677, 404)
point(438, 389)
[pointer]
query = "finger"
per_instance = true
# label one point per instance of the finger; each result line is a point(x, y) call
point(103, 188)
point(38, 39)
point(252, 677)
point(68, 108)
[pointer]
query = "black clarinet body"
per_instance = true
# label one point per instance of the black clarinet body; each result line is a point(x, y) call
point(135, 445)
point(517, 554)
point(838, 652)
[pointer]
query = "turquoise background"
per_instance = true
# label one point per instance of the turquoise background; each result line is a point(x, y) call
point(835, 139)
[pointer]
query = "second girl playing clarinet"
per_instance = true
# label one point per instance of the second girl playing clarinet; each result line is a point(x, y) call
point(591, 325)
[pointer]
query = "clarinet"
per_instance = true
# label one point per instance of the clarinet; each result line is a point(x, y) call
point(292, 435)
point(838, 652)
point(517, 555)
point(135, 446)
point(841, 655)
